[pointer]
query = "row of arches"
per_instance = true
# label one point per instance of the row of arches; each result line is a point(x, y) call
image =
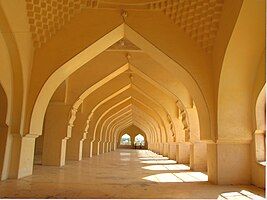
point(193, 108)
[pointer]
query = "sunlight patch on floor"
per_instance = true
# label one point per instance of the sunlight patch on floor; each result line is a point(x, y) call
point(125, 154)
point(243, 194)
point(155, 158)
point(167, 167)
point(263, 163)
point(158, 162)
point(178, 177)
point(192, 176)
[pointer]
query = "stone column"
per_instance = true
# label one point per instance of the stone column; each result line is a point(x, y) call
point(106, 149)
point(56, 133)
point(198, 156)
point(229, 162)
point(78, 135)
point(154, 149)
point(161, 149)
point(172, 151)
point(198, 148)
point(113, 146)
point(102, 147)
point(158, 146)
point(166, 149)
point(3, 147)
point(108, 146)
point(23, 155)
point(86, 152)
point(183, 152)
point(95, 149)
point(74, 149)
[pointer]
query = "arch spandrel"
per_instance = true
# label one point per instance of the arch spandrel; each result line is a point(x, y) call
point(239, 71)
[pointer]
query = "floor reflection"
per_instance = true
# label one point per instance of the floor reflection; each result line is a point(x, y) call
point(121, 175)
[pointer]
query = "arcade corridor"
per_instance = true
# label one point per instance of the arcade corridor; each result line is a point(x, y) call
point(107, 176)
point(133, 99)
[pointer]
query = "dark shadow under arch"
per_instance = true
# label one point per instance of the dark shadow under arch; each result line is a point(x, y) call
point(3, 126)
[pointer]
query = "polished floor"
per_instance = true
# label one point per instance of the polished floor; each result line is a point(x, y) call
point(124, 173)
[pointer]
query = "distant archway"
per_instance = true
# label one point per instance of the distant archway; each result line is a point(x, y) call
point(125, 140)
point(139, 140)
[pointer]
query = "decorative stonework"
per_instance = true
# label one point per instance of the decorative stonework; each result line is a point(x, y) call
point(198, 18)
point(46, 17)
point(183, 116)
point(171, 128)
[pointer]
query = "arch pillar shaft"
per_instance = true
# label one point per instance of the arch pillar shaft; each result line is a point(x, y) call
point(87, 148)
point(172, 151)
point(198, 156)
point(228, 162)
point(55, 135)
point(22, 156)
point(183, 152)
point(198, 148)
point(3, 143)
point(75, 143)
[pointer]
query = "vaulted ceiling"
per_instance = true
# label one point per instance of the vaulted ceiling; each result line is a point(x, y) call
point(198, 19)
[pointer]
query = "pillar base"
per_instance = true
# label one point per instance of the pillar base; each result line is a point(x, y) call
point(183, 153)
point(229, 163)
point(166, 149)
point(55, 156)
point(106, 147)
point(198, 156)
point(95, 148)
point(172, 151)
point(112, 145)
point(22, 155)
point(86, 152)
point(158, 148)
point(74, 149)
point(161, 148)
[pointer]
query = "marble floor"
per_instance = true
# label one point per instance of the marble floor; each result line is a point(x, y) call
point(124, 173)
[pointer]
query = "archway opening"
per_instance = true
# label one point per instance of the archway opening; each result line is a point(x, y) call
point(139, 140)
point(125, 140)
